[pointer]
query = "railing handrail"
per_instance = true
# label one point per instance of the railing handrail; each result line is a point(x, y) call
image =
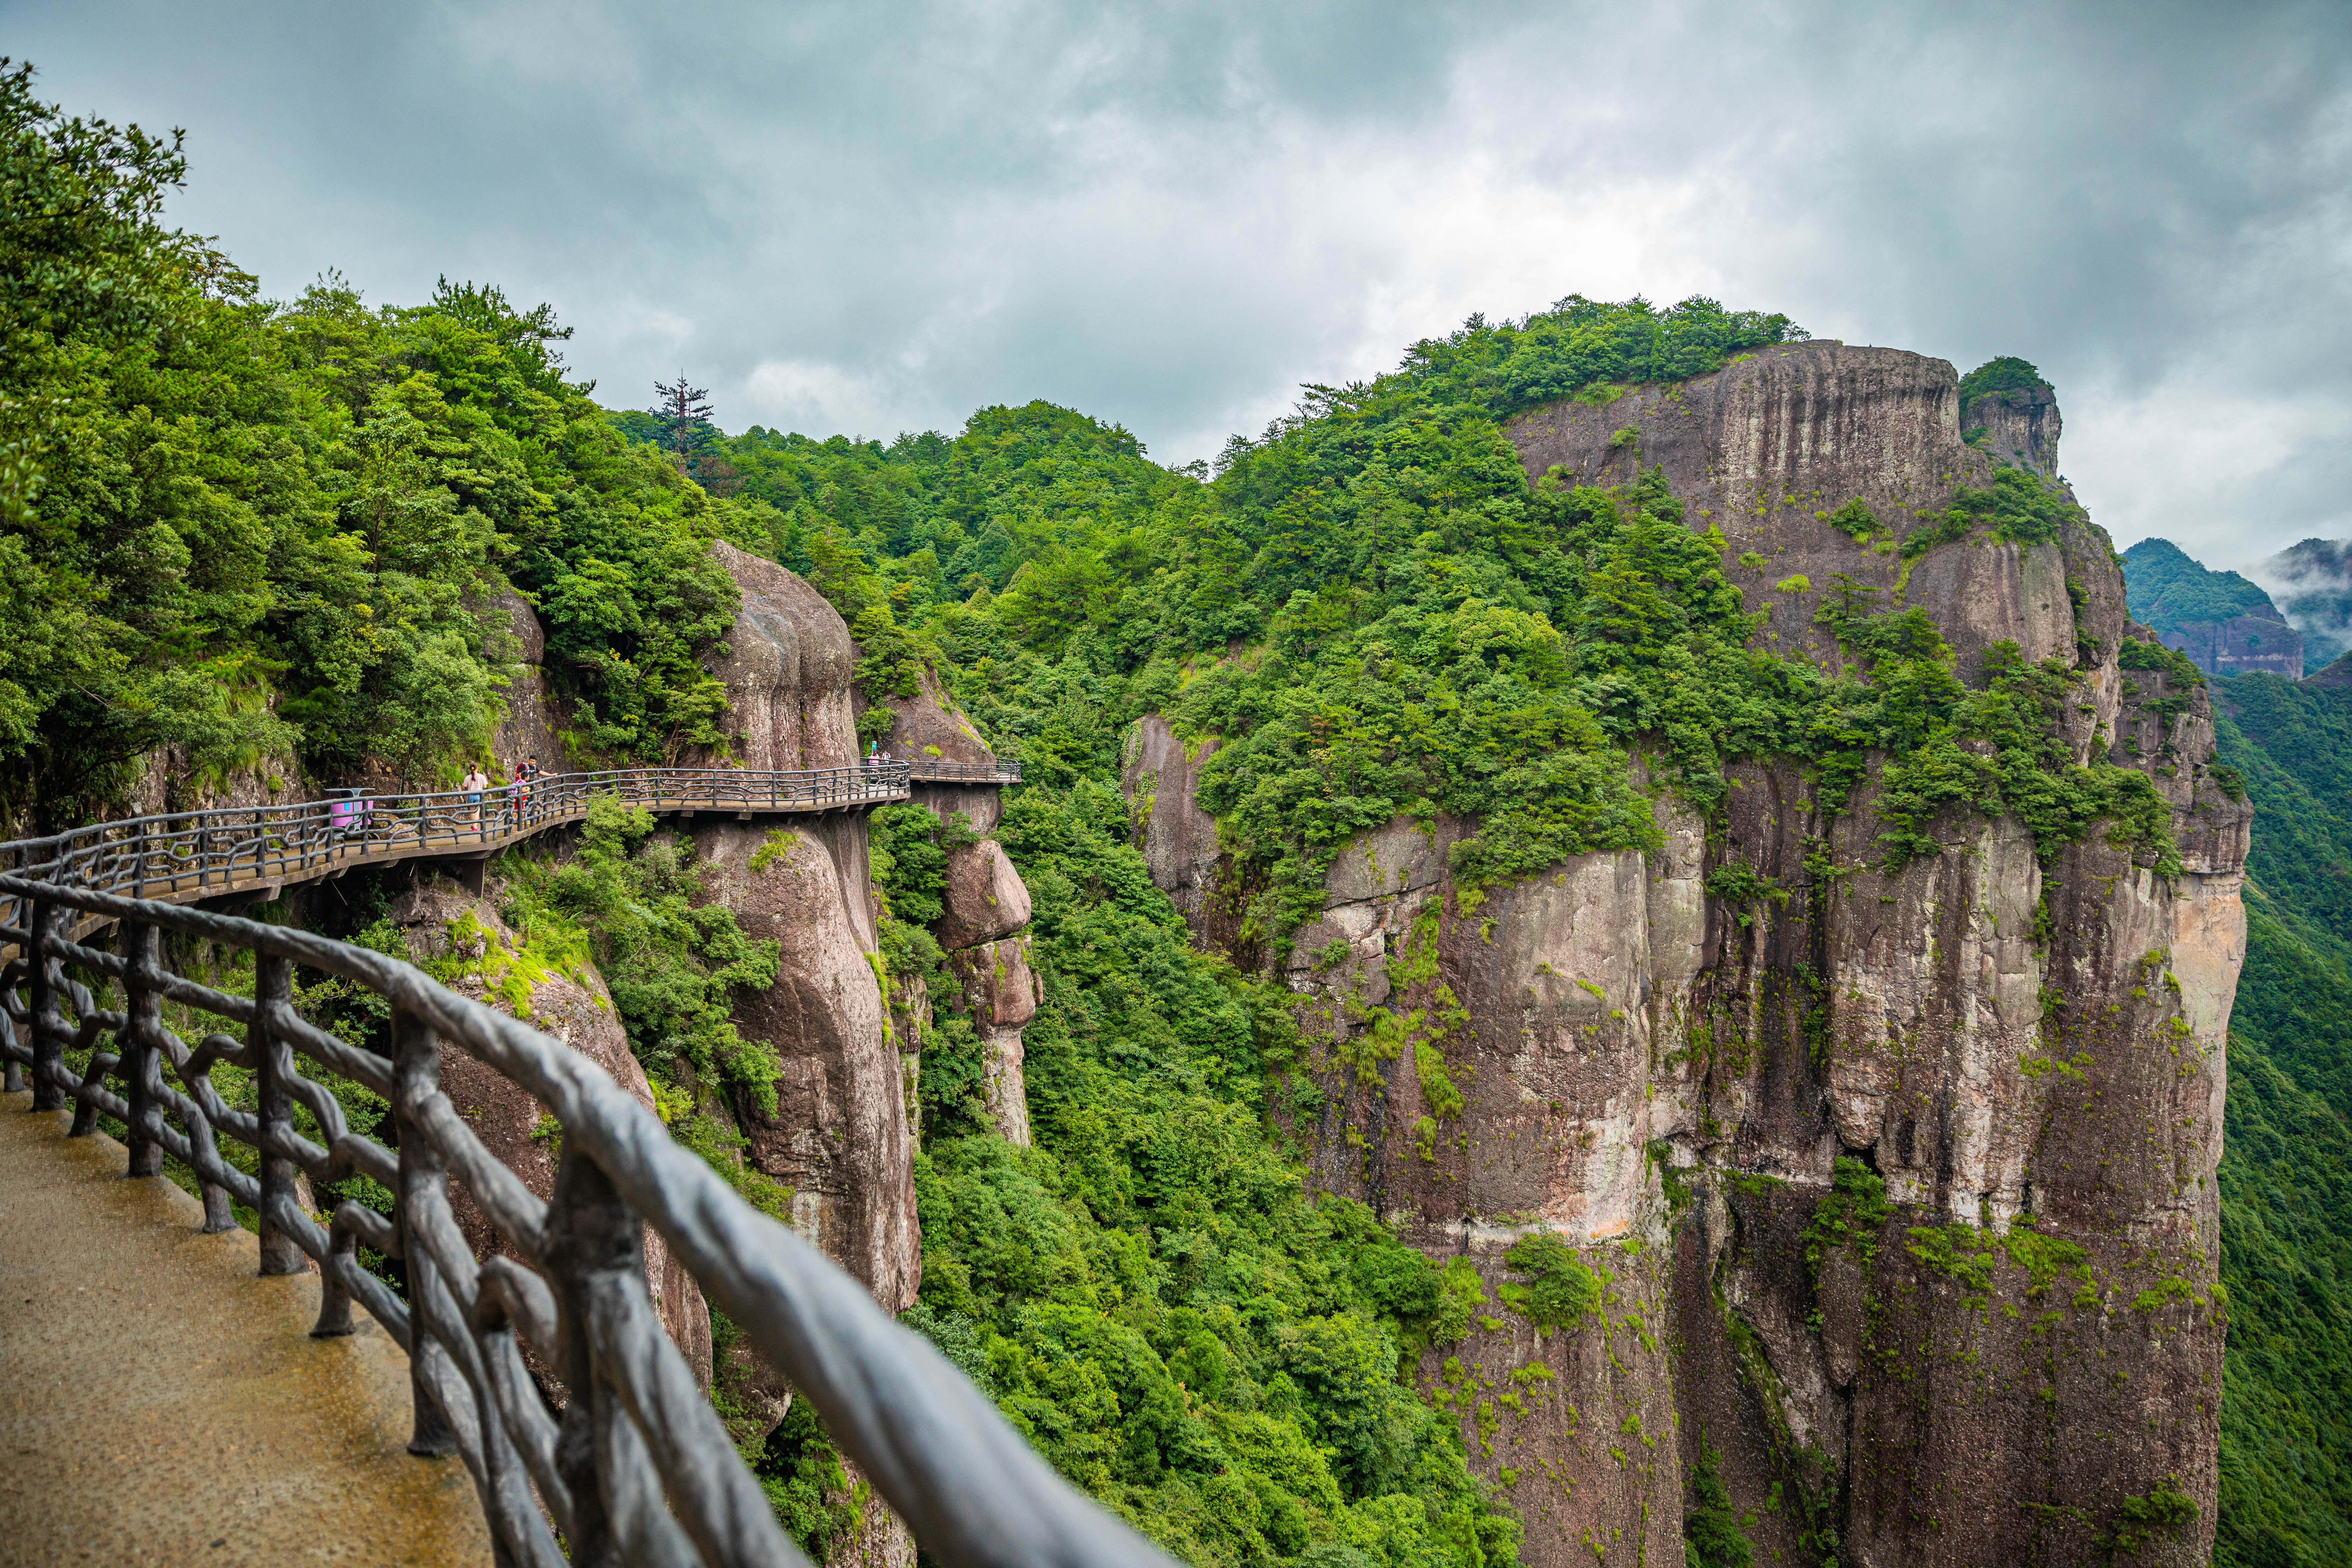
point(213, 848)
point(639, 1468)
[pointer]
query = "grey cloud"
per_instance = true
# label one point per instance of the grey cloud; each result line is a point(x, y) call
point(878, 219)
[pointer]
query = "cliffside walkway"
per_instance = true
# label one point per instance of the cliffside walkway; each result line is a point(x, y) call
point(187, 857)
point(157, 1385)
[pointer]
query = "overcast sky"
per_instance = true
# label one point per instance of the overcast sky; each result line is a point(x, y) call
point(868, 218)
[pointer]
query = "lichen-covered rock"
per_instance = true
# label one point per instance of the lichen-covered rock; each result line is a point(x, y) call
point(2019, 425)
point(461, 938)
point(986, 899)
point(787, 671)
point(1001, 992)
point(1000, 987)
point(838, 1136)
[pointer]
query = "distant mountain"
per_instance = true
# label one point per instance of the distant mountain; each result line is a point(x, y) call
point(2311, 585)
point(2225, 622)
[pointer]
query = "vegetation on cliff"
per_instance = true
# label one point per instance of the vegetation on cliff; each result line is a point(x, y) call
point(2287, 1163)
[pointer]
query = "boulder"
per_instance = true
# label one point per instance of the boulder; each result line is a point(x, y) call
point(532, 722)
point(787, 670)
point(985, 898)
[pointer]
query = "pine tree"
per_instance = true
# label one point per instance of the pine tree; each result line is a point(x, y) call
point(685, 414)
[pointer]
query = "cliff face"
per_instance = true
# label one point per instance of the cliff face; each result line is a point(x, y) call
point(985, 905)
point(2261, 641)
point(1899, 1193)
point(839, 1136)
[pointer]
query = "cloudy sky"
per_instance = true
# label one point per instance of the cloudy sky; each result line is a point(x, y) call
point(871, 218)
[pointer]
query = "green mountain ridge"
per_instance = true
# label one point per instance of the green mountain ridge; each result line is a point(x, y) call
point(252, 531)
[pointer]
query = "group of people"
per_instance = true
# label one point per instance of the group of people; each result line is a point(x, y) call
point(478, 786)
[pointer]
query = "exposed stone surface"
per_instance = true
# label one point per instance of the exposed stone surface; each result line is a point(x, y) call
point(1002, 991)
point(1162, 776)
point(929, 727)
point(2260, 641)
point(838, 1137)
point(985, 898)
point(2020, 426)
point(2027, 1051)
point(462, 936)
point(787, 671)
point(531, 723)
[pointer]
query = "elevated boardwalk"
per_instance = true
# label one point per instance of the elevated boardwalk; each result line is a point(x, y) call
point(162, 1402)
point(255, 852)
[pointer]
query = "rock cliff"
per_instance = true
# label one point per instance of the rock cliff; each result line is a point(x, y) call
point(985, 905)
point(2261, 641)
point(1887, 1200)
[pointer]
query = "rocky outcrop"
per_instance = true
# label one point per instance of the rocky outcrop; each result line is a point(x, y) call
point(787, 671)
point(928, 727)
point(460, 937)
point(2019, 427)
point(531, 723)
point(1894, 1188)
point(1161, 774)
point(1001, 991)
point(986, 899)
point(2259, 641)
point(838, 1136)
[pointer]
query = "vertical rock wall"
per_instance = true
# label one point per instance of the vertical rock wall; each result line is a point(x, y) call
point(986, 904)
point(1903, 1188)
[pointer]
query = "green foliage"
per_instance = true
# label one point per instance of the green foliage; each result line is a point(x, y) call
point(633, 897)
point(1162, 1307)
point(1560, 1288)
point(2286, 1161)
point(244, 528)
point(2134, 654)
point(2166, 590)
point(1851, 1215)
point(2006, 375)
point(2013, 508)
point(1711, 1534)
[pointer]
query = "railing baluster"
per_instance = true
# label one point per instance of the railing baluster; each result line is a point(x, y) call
point(415, 1075)
point(590, 1232)
point(138, 1044)
point(49, 1051)
point(273, 1061)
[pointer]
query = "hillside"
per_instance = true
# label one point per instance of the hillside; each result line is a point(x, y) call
point(1580, 972)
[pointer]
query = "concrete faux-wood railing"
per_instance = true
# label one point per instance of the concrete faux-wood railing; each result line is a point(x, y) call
point(638, 1468)
point(187, 857)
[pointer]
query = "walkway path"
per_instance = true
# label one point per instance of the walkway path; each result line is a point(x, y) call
point(254, 852)
point(160, 1401)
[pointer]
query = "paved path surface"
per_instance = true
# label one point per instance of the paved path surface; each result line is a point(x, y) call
point(161, 1403)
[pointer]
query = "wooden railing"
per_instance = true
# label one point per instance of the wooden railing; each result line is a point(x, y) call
point(185, 855)
point(636, 1467)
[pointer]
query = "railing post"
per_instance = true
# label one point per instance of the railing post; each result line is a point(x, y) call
point(142, 1031)
point(49, 1051)
point(416, 1078)
point(272, 1060)
point(589, 1233)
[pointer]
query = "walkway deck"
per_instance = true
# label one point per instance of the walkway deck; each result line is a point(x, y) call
point(160, 1401)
